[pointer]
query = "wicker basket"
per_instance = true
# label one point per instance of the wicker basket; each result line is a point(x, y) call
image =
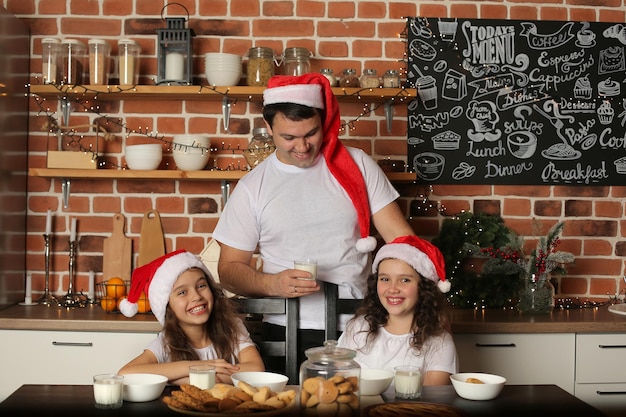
point(104, 288)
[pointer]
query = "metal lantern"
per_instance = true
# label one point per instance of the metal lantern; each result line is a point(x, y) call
point(174, 54)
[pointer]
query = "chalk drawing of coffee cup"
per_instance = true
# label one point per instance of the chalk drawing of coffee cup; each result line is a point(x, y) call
point(428, 165)
point(585, 38)
point(522, 144)
point(427, 90)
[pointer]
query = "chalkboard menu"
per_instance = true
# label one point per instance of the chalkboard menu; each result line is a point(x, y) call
point(517, 102)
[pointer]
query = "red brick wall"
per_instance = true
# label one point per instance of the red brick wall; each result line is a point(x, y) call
point(341, 34)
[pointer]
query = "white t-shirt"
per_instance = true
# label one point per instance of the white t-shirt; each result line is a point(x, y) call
point(157, 347)
point(391, 350)
point(292, 213)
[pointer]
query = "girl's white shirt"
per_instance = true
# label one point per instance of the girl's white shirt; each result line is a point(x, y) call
point(157, 346)
point(391, 350)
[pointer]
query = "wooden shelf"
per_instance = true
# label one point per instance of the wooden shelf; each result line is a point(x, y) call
point(128, 174)
point(196, 92)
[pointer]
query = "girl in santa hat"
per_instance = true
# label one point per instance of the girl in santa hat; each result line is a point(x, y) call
point(199, 324)
point(401, 320)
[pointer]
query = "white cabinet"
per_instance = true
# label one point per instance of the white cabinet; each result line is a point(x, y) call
point(63, 357)
point(546, 358)
point(600, 371)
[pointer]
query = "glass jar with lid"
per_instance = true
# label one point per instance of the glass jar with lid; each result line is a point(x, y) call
point(260, 66)
point(369, 78)
point(349, 79)
point(50, 49)
point(296, 61)
point(128, 57)
point(330, 76)
point(260, 147)
point(330, 379)
point(73, 61)
point(99, 61)
point(391, 79)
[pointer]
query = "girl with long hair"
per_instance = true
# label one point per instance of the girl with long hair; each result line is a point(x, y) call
point(200, 325)
point(402, 319)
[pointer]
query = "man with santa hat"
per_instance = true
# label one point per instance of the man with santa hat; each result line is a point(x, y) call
point(312, 198)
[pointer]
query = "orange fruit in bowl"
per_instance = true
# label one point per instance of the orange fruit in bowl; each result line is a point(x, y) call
point(116, 287)
point(143, 304)
point(108, 304)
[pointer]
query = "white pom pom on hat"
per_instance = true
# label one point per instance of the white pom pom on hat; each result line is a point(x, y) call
point(422, 255)
point(156, 279)
point(307, 89)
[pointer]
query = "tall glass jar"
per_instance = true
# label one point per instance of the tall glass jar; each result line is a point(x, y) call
point(296, 61)
point(349, 79)
point(73, 59)
point(50, 49)
point(260, 66)
point(128, 55)
point(99, 61)
point(329, 381)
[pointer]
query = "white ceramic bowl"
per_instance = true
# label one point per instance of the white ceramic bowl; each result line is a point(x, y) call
point(143, 157)
point(191, 152)
point(143, 387)
point(490, 389)
point(375, 381)
point(275, 382)
point(191, 161)
point(223, 77)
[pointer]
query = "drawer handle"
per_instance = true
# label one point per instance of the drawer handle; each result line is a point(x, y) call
point(612, 346)
point(495, 344)
point(611, 392)
point(83, 344)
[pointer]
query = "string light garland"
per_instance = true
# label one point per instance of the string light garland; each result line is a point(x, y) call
point(85, 98)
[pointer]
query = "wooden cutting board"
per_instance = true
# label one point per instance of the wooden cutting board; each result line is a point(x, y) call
point(117, 251)
point(151, 241)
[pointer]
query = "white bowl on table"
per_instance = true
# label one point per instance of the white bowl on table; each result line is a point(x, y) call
point(489, 389)
point(143, 157)
point(275, 382)
point(143, 387)
point(375, 381)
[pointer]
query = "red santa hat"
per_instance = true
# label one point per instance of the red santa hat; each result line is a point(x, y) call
point(156, 279)
point(422, 255)
point(314, 90)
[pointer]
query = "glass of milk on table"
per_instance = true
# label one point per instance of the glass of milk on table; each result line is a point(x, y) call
point(202, 376)
point(108, 391)
point(408, 382)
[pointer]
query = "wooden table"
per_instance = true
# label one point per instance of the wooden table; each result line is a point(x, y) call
point(515, 400)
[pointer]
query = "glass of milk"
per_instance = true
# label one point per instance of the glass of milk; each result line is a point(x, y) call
point(202, 376)
point(408, 381)
point(108, 391)
point(309, 265)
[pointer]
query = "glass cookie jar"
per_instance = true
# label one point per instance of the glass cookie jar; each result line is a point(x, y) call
point(329, 381)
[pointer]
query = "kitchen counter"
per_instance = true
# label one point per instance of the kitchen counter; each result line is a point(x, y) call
point(89, 319)
point(93, 318)
point(578, 320)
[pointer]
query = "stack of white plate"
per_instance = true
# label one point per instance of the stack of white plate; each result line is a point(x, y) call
point(191, 152)
point(222, 69)
point(144, 157)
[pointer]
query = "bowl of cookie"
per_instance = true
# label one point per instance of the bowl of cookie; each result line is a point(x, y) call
point(275, 382)
point(477, 386)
